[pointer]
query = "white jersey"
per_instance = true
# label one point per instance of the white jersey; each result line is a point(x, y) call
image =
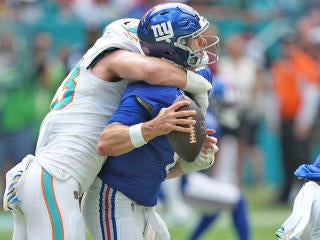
point(80, 109)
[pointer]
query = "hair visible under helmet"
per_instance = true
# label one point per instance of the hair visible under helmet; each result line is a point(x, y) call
point(165, 30)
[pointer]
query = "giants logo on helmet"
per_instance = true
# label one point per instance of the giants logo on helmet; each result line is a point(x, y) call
point(163, 31)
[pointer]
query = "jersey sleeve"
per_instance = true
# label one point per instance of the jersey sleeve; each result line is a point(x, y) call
point(129, 112)
point(131, 109)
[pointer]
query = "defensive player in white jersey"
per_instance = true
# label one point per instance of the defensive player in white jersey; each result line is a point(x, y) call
point(119, 204)
point(43, 190)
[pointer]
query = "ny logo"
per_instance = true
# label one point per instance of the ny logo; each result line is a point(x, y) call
point(163, 31)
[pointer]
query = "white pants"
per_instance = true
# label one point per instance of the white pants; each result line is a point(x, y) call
point(304, 221)
point(111, 215)
point(49, 208)
point(207, 194)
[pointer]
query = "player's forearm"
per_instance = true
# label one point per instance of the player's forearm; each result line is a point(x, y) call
point(175, 172)
point(161, 72)
point(116, 139)
point(137, 67)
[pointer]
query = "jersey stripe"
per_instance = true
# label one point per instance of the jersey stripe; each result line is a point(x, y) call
point(114, 225)
point(107, 198)
point(107, 213)
point(101, 212)
point(52, 206)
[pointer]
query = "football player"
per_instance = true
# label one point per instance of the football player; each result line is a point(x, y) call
point(120, 203)
point(43, 190)
point(304, 221)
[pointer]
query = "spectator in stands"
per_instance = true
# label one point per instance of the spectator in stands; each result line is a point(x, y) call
point(295, 86)
point(245, 75)
point(16, 88)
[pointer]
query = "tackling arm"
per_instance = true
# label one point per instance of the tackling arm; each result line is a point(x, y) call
point(122, 64)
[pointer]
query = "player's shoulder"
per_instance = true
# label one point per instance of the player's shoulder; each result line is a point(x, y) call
point(154, 94)
point(124, 30)
point(122, 24)
point(148, 89)
point(120, 34)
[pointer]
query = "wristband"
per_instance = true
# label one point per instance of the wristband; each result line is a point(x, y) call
point(136, 136)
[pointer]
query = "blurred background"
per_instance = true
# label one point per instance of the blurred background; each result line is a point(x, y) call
point(269, 58)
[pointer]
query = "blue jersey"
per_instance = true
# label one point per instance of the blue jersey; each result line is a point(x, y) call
point(139, 173)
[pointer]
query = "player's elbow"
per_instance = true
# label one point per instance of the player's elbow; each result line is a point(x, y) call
point(104, 143)
point(107, 147)
point(149, 71)
point(102, 149)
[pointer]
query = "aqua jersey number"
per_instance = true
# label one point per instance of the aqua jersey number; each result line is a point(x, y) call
point(65, 93)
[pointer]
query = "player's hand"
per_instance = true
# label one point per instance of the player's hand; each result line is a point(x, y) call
point(198, 87)
point(169, 119)
point(196, 84)
point(202, 101)
point(206, 157)
point(210, 143)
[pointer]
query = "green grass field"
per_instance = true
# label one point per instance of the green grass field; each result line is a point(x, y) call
point(264, 219)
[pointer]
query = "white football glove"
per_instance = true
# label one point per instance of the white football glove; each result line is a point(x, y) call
point(198, 87)
point(203, 161)
point(13, 178)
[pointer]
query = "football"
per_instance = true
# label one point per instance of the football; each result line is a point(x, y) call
point(189, 145)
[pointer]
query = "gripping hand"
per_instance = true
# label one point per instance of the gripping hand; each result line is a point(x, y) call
point(198, 87)
point(203, 161)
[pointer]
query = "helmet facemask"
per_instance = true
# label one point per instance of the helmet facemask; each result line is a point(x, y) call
point(199, 57)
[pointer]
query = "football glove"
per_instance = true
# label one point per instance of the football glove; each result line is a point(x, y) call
point(203, 161)
point(11, 197)
point(198, 87)
point(13, 179)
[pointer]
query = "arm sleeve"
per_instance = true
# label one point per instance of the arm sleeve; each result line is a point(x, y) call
point(129, 112)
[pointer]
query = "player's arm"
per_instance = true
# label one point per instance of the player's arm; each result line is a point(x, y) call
point(118, 138)
point(123, 64)
point(137, 67)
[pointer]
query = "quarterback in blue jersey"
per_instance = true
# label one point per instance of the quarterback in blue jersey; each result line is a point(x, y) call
point(123, 196)
point(139, 173)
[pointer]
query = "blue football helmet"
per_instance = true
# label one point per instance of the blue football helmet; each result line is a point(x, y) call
point(168, 31)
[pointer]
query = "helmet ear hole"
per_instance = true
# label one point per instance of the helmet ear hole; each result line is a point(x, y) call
point(193, 60)
point(169, 53)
